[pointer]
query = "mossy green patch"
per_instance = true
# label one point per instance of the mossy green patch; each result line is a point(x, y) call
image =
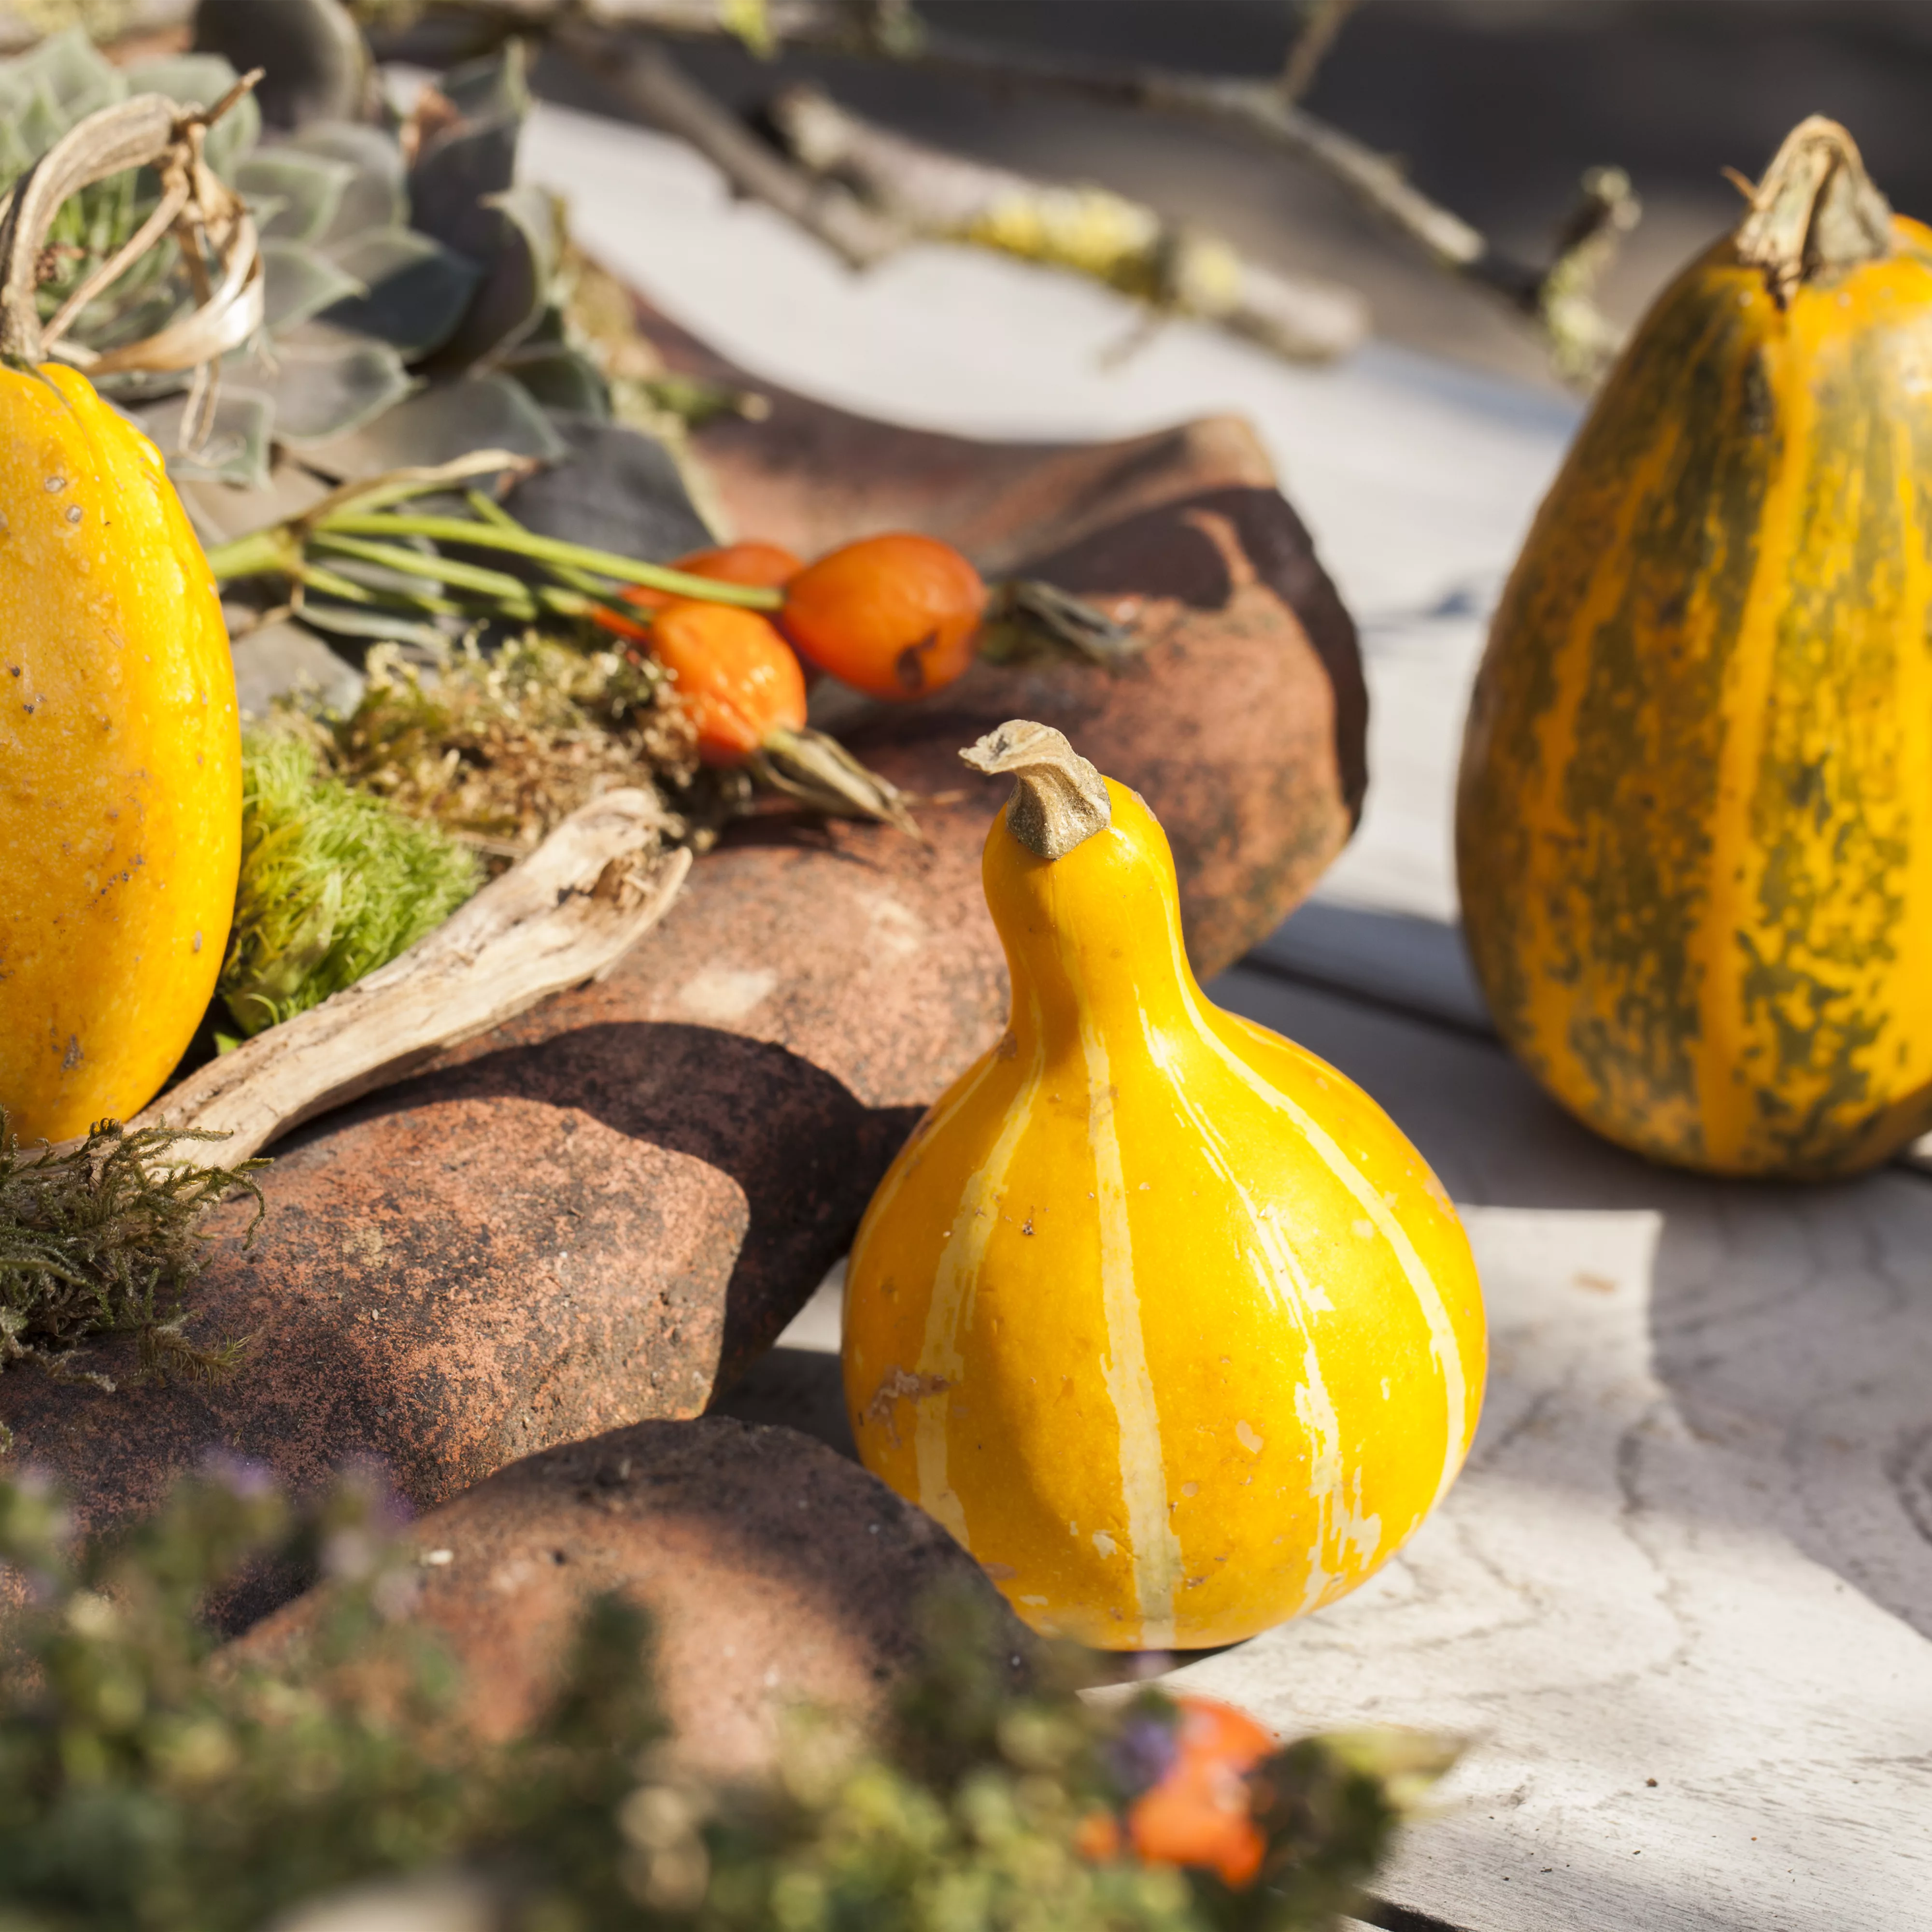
point(334, 883)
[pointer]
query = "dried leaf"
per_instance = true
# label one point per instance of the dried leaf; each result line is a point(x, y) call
point(204, 335)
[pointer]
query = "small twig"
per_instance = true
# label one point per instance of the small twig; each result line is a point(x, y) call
point(1582, 340)
point(1321, 21)
point(654, 84)
point(1091, 230)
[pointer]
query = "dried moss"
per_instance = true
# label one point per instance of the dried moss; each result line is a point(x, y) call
point(498, 750)
point(334, 883)
point(104, 1239)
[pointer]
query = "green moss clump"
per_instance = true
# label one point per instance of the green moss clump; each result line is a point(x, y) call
point(151, 1782)
point(335, 883)
point(104, 1239)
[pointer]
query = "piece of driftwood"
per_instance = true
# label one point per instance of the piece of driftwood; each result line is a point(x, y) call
point(565, 915)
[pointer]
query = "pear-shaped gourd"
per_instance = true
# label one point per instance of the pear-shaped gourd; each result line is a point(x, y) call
point(120, 744)
point(1160, 1315)
point(1694, 828)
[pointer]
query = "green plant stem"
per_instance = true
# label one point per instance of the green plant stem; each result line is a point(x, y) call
point(507, 590)
point(274, 552)
point(494, 513)
point(314, 577)
point(489, 511)
point(554, 551)
point(583, 575)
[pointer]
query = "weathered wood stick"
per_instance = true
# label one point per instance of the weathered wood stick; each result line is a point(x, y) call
point(1091, 230)
point(565, 915)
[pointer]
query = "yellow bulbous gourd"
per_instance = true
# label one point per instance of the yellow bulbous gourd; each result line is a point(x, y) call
point(120, 763)
point(1159, 1314)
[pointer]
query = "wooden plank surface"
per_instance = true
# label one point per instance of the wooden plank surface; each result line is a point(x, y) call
point(1695, 1542)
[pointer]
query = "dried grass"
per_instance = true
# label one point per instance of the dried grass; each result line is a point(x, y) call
point(104, 1239)
point(498, 750)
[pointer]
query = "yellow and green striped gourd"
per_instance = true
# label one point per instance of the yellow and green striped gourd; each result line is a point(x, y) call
point(1694, 830)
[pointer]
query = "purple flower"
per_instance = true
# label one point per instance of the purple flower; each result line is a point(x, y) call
point(1142, 1753)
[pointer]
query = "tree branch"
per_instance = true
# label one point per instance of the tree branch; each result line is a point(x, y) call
point(1556, 297)
point(651, 82)
point(1260, 108)
point(1321, 21)
point(1129, 247)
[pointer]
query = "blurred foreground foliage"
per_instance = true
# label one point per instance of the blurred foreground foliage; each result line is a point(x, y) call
point(150, 1780)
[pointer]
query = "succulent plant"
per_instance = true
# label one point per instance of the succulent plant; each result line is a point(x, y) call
point(414, 291)
point(423, 324)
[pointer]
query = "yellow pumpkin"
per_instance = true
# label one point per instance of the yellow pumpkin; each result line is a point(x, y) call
point(1160, 1315)
point(1694, 831)
point(120, 763)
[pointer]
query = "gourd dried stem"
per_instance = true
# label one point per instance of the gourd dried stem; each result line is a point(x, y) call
point(1059, 800)
point(148, 130)
point(1817, 211)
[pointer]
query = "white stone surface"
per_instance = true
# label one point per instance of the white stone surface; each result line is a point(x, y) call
point(1695, 1542)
